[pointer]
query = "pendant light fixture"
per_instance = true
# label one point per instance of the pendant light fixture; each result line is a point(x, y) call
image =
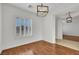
point(68, 18)
point(42, 10)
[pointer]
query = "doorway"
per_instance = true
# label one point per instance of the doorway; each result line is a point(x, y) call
point(71, 30)
point(67, 33)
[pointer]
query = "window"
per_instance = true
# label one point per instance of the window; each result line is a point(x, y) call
point(23, 27)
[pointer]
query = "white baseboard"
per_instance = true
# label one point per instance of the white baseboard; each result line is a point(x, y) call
point(12, 46)
point(53, 41)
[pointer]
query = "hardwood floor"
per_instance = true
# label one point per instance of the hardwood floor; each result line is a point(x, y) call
point(68, 43)
point(41, 48)
point(73, 38)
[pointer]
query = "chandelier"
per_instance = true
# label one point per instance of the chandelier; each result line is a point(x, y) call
point(68, 18)
point(42, 10)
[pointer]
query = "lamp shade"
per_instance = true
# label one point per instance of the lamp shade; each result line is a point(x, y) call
point(69, 18)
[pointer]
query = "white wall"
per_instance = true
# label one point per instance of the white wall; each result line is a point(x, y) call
point(9, 14)
point(0, 27)
point(59, 29)
point(43, 27)
point(49, 27)
point(71, 28)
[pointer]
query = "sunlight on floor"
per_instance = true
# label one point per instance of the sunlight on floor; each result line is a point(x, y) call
point(68, 43)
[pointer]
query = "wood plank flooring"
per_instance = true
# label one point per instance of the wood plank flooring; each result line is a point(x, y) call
point(41, 48)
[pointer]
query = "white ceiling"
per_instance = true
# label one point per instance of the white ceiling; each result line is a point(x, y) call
point(59, 9)
point(26, 6)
